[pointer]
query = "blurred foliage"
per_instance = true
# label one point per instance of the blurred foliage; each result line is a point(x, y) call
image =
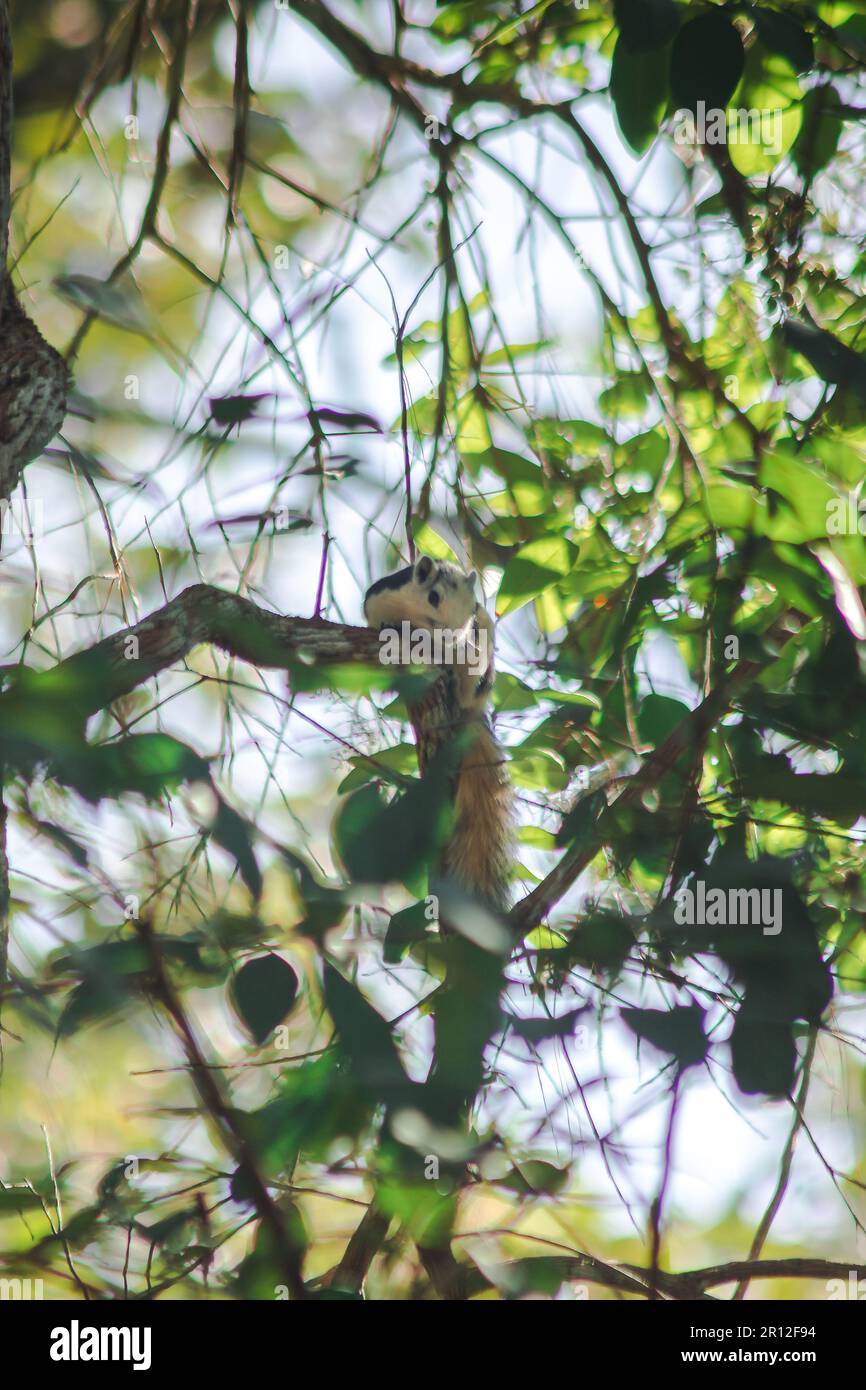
point(232, 981)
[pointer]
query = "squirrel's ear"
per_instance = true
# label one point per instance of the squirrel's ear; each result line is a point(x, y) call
point(471, 578)
point(423, 569)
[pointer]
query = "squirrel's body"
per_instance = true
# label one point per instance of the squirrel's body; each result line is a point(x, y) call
point(435, 596)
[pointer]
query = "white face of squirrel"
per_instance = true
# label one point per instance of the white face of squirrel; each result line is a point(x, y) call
point(430, 593)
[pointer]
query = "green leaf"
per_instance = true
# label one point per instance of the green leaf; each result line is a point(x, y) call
point(639, 91)
point(679, 1030)
point(819, 132)
point(578, 825)
point(535, 568)
point(571, 697)
point(832, 360)
point(352, 828)
point(108, 959)
point(472, 432)
point(394, 764)
point(380, 841)
point(509, 27)
point(707, 61)
point(315, 1102)
point(113, 973)
point(539, 769)
point(15, 1198)
point(515, 352)
point(584, 436)
point(546, 939)
point(234, 834)
point(149, 764)
point(94, 999)
point(602, 941)
point(405, 929)
point(536, 1030)
point(658, 716)
point(365, 1038)
point(838, 796)
point(783, 34)
point(61, 838)
point(510, 693)
point(765, 122)
point(174, 1230)
point(763, 1055)
point(235, 410)
point(429, 542)
point(643, 453)
point(536, 1176)
point(263, 992)
point(645, 24)
point(627, 397)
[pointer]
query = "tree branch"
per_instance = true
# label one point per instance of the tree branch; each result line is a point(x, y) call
point(227, 1120)
point(201, 614)
point(689, 1285)
point(693, 729)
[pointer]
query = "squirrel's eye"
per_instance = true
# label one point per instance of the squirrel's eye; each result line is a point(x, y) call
point(434, 597)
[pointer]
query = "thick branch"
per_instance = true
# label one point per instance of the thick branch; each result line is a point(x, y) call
point(201, 614)
point(795, 1268)
point(364, 1245)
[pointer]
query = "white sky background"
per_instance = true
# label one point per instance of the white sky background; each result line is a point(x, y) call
point(725, 1144)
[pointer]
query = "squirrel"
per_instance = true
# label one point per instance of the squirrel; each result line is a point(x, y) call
point(433, 596)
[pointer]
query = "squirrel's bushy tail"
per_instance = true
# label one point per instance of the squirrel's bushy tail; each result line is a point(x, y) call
point(479, 853)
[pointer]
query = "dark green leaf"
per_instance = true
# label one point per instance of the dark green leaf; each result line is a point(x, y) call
point(14, 1198)
point(536, 1176)
point(235, 410)
point(783, 34)
point(536, 567)
point(380, 841)
point(832, 360)
point(679, 1030)
point(174, 1230)
point(405, 929)
point(344, 421)
point(535, 1030)
point(263, 992)
point(837, 796)
point(707, 62)
point(602, 941)
point(365, 1039)
point(763, 1054)
point(819, 134)
point(645, 24)
point(94, 999)
point(150, 764)
point(639, 91)
point(658, 716)
point(234, 834)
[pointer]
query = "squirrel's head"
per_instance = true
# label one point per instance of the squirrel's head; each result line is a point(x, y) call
point(445, 587)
